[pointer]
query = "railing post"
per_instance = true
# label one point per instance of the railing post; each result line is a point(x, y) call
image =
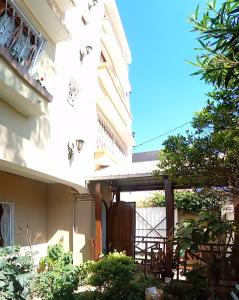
point(145, 258)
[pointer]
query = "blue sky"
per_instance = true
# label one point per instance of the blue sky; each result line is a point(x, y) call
point(164, 95)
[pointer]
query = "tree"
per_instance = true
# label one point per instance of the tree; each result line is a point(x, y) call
point(218, 31)
point(209, 156)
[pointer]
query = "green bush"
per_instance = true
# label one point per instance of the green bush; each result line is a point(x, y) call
point(116, 277)
point(89, 295)
point(177, 290)
point(191, 202)
point(16, 274)
point(57, 278)
point(115, 269)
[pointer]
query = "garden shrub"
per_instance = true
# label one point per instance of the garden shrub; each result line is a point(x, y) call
point(16, 273)
point(57, 278)
point(116, 277)
point(190, 201)
point(115, 269)
point(89, 295)
point(177, 290)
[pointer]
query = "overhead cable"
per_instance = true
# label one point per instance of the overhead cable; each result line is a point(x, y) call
point(162, 134)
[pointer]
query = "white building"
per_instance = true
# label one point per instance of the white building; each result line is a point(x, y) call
point(63, 84)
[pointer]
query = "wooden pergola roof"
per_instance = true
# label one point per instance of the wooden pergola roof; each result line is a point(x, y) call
point(136, 176)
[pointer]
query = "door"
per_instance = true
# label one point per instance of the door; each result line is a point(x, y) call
point(121, 227)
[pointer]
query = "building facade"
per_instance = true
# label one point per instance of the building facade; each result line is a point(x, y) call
point(64, 112)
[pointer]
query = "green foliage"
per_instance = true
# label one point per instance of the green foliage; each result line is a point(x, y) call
point(85, 272)
point(113, 273)
point(157, 200)
point(16, 274)
point(57, 278)
point(178, 290)
point(208, 228)
point(202, 237)
point(218, 36)
point(209, 155)
point(196, 277)
point(191, 202)
point(116, 277)
point(89, 295)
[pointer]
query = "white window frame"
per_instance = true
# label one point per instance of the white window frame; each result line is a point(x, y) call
point(11, 221)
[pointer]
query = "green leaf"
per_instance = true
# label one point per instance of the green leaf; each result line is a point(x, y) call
point(196, 12)
point(228, 77)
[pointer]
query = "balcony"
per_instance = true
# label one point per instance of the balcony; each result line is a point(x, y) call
point(50, 18)
point(109, 151)
point(19, 89)
point(109, 80)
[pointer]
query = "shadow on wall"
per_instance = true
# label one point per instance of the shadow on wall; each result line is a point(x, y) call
point(12, 147)
point(16, 128)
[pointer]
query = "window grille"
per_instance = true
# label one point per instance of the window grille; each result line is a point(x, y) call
point(17, 35)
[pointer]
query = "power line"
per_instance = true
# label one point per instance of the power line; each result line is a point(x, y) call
point(162, 134)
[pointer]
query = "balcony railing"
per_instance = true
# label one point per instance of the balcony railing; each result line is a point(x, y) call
point(106, 140)
point(17, 35)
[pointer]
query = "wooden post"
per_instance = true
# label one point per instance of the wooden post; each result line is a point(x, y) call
point(117, 195)
point(169, 196)
point(98, 221)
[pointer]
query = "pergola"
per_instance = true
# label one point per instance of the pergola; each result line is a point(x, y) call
point(137, 176)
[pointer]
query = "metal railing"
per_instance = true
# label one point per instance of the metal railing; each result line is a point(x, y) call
point(107, 140)
point(18, 35)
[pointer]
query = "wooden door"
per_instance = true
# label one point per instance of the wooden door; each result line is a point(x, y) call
point(121, 227)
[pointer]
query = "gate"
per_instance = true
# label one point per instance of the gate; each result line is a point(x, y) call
point(121, 227)
point(150, 239)
point(150, 223)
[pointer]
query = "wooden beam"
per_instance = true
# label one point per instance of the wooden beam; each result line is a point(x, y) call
point(98, 220)
point(117, 195)
point(169, 197)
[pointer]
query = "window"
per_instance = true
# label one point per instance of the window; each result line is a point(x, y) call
point(17, 35)
point(6, 224)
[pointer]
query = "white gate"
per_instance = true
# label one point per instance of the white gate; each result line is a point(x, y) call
point(150, 225)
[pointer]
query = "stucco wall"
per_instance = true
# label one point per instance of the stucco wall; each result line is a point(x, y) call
point(60, 215)
point(83, 230)
point(49, 209)
point(29, 198)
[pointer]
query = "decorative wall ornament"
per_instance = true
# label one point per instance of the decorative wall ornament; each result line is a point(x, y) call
point(73, 94)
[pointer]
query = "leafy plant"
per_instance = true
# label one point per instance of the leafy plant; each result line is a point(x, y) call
point(116, 277)
point(16, 273)
point(57, 278)
point(113, 273)
point(209, 237)
point(218, 36)
point(208, 228)
point(89, 295)
point(178, 290)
